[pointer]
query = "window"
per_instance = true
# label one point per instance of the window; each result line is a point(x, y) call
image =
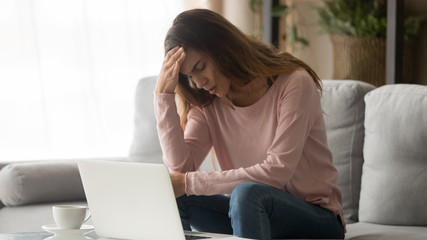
point(68, 72)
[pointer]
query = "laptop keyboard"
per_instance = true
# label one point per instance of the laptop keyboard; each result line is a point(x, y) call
point(189, 237)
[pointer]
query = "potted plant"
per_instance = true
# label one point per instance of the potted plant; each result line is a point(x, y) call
point(358, 33)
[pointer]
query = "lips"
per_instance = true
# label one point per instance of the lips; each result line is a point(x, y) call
point(212, 91)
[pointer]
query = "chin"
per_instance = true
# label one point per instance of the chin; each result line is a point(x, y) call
point(220, 95)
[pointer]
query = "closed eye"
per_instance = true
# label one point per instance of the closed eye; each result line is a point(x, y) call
point(201, 68)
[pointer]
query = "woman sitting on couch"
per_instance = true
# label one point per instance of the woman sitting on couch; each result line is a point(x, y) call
point(260, 110)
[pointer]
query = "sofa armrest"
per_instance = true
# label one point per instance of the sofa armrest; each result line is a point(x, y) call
point(37, 182)
point(40, 182)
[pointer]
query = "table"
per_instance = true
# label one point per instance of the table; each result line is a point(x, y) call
point(88, 236)
point(43, 235)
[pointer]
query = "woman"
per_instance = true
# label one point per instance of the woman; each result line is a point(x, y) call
point(260, 111)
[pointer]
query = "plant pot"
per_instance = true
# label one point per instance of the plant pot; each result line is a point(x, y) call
point(364, 59)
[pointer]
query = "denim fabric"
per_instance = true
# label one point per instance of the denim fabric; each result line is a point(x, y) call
point(205, 213)
point(258, 211)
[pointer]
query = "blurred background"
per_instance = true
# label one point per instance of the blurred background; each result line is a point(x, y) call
point(69, 68)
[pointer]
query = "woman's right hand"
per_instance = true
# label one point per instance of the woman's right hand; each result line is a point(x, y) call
point(169, 74)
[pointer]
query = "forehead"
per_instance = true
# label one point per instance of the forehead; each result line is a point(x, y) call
point(191, 59)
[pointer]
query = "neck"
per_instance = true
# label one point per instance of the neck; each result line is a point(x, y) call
point(246, 95)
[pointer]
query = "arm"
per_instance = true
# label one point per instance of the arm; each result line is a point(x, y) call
point(181, 153)
point(177, 155)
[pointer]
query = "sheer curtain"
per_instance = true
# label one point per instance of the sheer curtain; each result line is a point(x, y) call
point(68, 72)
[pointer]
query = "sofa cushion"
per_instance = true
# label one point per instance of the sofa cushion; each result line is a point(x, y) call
point(38, 182)
point(369, 231)
point(344, 109)
point(394, 181)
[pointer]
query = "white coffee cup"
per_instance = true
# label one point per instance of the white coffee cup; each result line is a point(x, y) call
point(70, 216)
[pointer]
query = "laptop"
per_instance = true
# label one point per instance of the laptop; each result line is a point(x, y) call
point(129, 200)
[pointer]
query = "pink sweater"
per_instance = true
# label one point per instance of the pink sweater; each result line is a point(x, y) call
point(280, 141)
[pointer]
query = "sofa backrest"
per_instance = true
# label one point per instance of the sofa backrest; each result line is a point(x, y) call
point(394, 180)
point(344, 109)
point(145, 146)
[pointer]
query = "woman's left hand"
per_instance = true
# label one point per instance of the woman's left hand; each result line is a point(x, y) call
point(178, 183)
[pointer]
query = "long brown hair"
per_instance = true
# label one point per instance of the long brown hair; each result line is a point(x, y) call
point(237, 56)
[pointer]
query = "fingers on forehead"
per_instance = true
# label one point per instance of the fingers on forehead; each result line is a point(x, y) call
point(174, 54)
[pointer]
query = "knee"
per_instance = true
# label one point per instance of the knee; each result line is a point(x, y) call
point(245, 191)
point(246, 196)
point(249, 190)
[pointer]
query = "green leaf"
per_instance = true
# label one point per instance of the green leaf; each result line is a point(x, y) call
point(278, 10)
point(294, 38)
point(365, 18)
point(254, 4)
point(303, 41)
point(292, 34)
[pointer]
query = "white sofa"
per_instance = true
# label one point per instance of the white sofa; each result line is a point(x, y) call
point(379, 150)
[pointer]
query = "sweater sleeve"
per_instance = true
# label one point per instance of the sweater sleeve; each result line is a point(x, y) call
point(180, 154)
point(299, 106)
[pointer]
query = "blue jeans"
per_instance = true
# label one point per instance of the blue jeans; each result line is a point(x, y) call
point(258, 211)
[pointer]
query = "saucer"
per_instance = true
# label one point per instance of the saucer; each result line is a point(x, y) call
point(68, 237)
point(52, 228)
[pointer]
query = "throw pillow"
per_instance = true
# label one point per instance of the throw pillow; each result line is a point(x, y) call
point(394, 180)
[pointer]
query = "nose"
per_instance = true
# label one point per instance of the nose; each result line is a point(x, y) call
point(199, 81)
